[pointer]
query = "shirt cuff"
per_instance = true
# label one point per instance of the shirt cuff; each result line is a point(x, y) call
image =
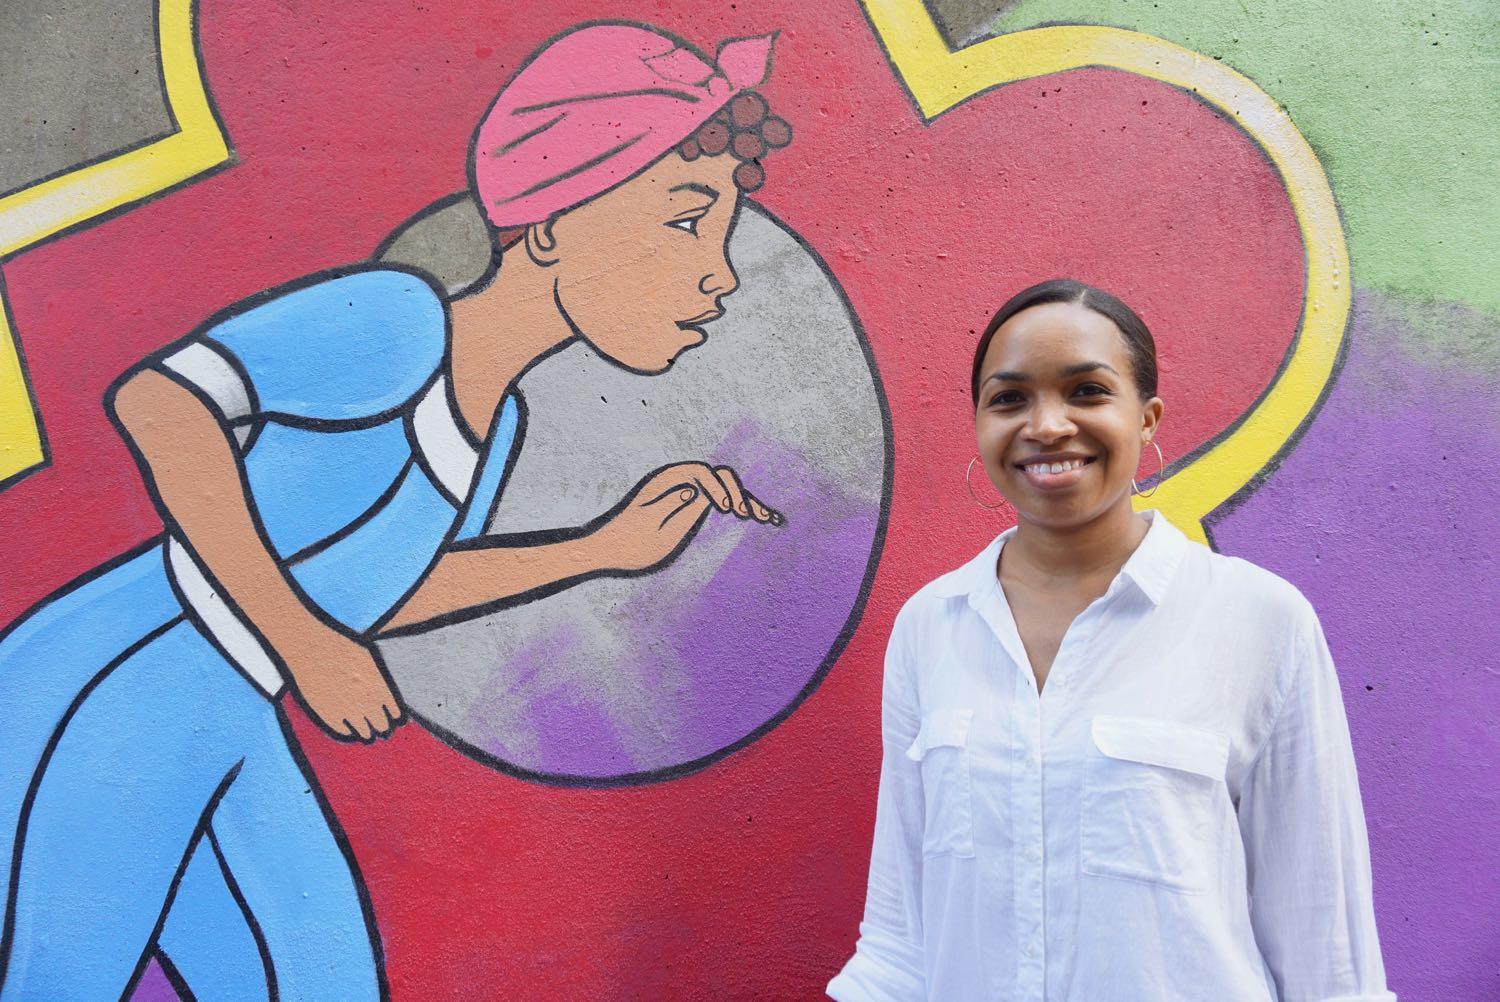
point(864, 979)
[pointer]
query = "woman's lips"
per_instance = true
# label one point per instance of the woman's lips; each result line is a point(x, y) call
point(1040, 475)
point(708, 316)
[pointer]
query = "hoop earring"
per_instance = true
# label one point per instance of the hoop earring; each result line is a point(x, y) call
point(1161, 464)
point(969, 484)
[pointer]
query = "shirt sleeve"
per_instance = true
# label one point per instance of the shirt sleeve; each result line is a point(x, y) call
point(1306, 846)
point(887, 962)
point(340, 349)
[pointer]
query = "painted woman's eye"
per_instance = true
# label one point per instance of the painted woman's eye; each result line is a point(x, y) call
point(689, 225)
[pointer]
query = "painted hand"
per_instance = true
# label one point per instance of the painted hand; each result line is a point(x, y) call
point(660, 514)
point(344, 685)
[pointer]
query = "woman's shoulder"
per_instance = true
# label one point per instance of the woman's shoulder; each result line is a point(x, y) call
point(1244, 587)
point(933, 599)
point(344, 301)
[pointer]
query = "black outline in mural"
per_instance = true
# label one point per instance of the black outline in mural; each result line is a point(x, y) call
point(1264, 474)
point(174, 978)
point(251, 922)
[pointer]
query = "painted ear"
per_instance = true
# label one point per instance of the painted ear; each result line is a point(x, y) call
point(541, 243)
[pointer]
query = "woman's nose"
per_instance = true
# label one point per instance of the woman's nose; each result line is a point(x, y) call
point(1050, 421)
point(719, 282)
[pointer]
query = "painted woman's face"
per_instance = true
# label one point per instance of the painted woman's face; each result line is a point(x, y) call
point(642, 267)
point(1060, 423)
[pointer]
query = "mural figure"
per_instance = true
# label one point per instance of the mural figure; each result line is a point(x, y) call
point(325, 458)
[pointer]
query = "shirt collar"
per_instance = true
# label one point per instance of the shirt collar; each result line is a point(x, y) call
point(1149, 568)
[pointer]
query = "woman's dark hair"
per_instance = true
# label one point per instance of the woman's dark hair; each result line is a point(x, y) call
point(1138, 340)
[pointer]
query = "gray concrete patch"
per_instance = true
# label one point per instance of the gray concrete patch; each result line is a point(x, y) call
point(782, 390)
point(80, 79)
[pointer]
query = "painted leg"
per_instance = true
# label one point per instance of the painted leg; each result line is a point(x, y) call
point(51, 655)
point(301, 888)
point(121, 800)
point(208, 936)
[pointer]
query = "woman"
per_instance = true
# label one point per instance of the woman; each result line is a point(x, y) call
point(325, 459)
point(1116, 764)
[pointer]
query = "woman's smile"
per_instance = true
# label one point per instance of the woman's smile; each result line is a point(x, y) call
point(1051, 473)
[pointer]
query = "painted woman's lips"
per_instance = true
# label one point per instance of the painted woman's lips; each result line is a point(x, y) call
point(705, 317)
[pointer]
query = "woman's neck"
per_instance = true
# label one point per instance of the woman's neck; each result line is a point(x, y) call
point(1042, 555)
point(498, 333)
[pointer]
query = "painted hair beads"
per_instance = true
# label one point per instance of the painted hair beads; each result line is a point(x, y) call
point(747, 130)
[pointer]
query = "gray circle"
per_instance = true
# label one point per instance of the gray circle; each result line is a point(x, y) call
point(629, 679)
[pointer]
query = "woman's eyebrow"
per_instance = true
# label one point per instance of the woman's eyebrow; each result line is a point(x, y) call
point(702, 189)
point(1079, 368)
point(1076, 369)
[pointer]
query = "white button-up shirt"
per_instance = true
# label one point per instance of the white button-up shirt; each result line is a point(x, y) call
point(1175, 816)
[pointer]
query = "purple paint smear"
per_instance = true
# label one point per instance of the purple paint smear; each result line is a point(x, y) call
point(154, 986)
point(764, 622)
point(1386, 515)
point(749, 640)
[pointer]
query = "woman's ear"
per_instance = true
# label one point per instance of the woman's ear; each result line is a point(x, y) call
point(1151, 419)
point(541, 243)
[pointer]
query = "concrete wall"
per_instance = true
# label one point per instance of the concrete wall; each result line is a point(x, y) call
point(664, 787)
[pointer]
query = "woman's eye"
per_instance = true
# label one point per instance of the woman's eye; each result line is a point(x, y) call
point(689, 225)
point(1091, 389)
point(1005, 397)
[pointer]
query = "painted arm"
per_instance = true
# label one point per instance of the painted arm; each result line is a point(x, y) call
point(645, 530)
point(195, 477)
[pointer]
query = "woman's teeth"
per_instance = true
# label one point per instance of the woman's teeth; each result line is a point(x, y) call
point(1072, 464)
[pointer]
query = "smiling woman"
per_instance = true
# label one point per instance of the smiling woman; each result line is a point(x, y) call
point(1071, 353)
point(1116, 763)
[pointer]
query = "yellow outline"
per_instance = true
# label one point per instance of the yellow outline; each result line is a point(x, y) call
point(41, 210)
point(939, 78)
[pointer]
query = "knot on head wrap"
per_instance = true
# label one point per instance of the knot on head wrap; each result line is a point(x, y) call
point(593, 108)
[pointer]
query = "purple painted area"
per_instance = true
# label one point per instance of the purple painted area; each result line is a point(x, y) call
point(1386, 515)
point(762, 625)
point(706, 665)
point(154, 986)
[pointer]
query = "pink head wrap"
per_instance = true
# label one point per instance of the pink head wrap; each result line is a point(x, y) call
point(595, 107)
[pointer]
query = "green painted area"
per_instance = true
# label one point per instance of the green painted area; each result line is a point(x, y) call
point(1401, 100)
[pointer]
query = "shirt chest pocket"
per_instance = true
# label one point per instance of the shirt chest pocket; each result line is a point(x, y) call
point(1150, 798)
point(942, 749)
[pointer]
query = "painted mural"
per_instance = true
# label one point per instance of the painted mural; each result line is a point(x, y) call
point(593, 392)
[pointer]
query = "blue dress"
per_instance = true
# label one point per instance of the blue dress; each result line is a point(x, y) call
point(151, 800)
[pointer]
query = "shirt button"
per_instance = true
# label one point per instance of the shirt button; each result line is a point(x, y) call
point(1031, 949)
point(1033, 856)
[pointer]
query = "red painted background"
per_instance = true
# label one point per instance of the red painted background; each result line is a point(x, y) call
point(746, 880)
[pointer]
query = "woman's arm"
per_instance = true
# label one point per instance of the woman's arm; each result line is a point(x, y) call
point(645, 530)
point(1305, 841)
point(887, 962)
point(473, 578)
point(195, 478)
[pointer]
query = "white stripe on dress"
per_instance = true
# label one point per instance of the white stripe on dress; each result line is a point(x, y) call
point(220, 621)
point(208, 370)
point(448, 453)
